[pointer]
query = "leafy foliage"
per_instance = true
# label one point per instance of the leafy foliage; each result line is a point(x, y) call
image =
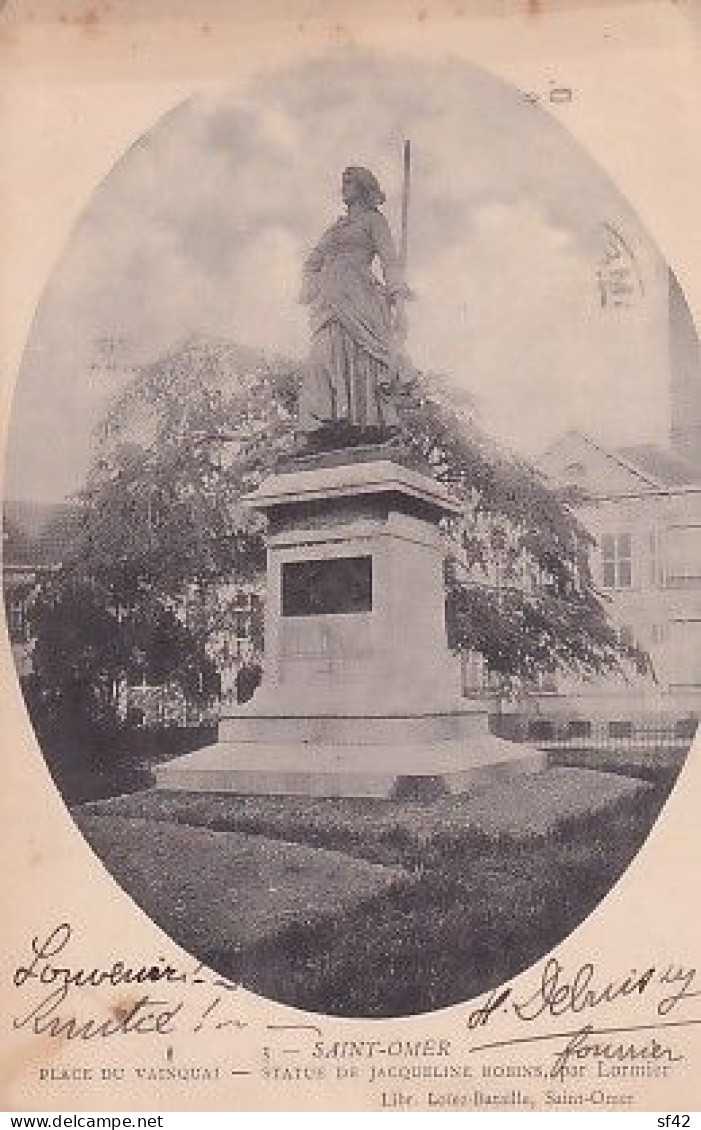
point(164, 527)
point(187, 437)
point(519, 587)
point(87, 648)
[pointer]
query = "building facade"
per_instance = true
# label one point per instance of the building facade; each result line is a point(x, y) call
point(642, 506)
point(34, 538)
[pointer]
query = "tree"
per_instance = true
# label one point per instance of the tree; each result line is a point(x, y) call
point(87, 649)
point(519, 587)
point(194, 431)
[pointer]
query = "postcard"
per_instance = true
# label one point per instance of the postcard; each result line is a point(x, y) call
point(351, 658)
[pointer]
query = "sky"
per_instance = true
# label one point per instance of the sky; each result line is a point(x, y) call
point(203, 225)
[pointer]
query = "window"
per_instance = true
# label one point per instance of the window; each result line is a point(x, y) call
point(685, 653)
point(620, 729)
point(546, 681)
point(474, 672)
point(579, 728)
point(17, 623)
point(575, 472)
point(654, 558)
point(685, 553)
point(616, 555)
point(541, 729)
point(686, 728)
point(241, 625)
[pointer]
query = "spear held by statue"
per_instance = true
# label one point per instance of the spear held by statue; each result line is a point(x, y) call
point(400, 382)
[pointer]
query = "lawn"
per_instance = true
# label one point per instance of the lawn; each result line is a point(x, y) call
point(396, 831)
point(375, 908)
point(660, 766)
point(228, 889)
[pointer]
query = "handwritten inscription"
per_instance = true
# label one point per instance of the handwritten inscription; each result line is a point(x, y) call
point(558, 994)
point(557, 94)
point(158, 998)
point(618, 275)
point(42, 969)
point(138, 1014)
point(586, 1044)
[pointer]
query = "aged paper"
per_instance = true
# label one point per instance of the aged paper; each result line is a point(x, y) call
point(79, 86)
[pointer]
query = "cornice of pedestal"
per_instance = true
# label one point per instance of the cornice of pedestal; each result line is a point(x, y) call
point(350, 480)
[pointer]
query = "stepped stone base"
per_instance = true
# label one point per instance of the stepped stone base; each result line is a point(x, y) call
point(418, 771)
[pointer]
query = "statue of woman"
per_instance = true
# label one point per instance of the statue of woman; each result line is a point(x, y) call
point(358, 323)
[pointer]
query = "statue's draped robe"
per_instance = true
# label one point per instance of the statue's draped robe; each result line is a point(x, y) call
point(353, 352)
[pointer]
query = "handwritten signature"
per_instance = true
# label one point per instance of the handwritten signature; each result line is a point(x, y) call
point(589, 1044)
point(559, 994)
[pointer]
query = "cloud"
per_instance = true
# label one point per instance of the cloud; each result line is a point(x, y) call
point(203, 226)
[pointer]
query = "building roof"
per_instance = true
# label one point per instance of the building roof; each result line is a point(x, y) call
point(574, 458)
point(663, 464)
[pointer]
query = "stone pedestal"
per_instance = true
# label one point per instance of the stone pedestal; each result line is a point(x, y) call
point(360, 696)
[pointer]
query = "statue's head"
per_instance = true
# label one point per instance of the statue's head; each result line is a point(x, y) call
point(359, 184)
